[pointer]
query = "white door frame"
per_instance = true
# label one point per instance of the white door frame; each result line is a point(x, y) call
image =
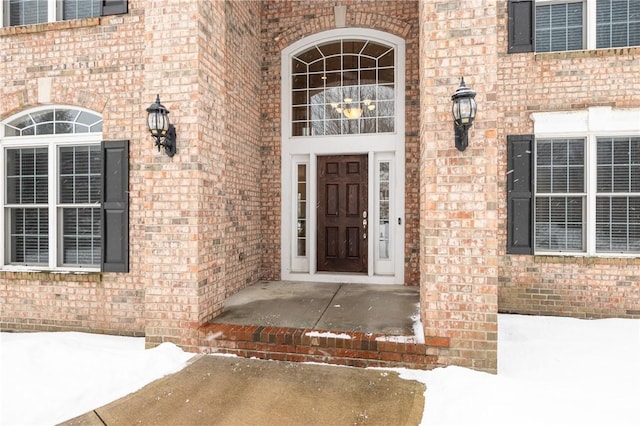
point(388, 147)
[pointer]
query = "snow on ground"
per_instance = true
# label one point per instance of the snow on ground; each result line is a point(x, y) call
point(551, 371)
point(47, 378)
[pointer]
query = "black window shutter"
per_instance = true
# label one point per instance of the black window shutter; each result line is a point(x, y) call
point(114, 7)
point(520, 194)
point(115, 206)
point(521, 26)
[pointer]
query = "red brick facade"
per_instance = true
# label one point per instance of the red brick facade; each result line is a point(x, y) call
point(562, 81)
point(206, 223)
point(459, 191)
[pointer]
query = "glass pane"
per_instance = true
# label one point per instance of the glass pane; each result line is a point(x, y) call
point(559, 27)
point(617, 224)
point(374, 50)
point(560, 165)
point(299, 81)
point(22, 122)
point(386, 125)
point(301, 209)
point(61, 128)
point(352, 46)
point(347, 89)
point(27, 175)
point(43, 116)
point(67, 115)
point(44, 129)
point(81, 236)
point(558, 225)
point(383, 225)
point(618, 164)
point(28, 235)
point(617, 23)
point(76, 9)
point(27, 12)
point(330, 48)
point(387, 60)
point(79, 174)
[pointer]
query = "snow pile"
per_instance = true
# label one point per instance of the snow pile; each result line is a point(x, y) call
point(551, 371)
point(328, 334)
point(47, 378)
point(399, 339)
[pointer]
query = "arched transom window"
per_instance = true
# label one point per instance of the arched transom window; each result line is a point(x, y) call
point(54, 121)
point(343, 87)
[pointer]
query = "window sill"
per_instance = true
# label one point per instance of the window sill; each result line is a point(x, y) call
point(45, 270)
point(597, 53)
point(586, 259)
point(50, 26)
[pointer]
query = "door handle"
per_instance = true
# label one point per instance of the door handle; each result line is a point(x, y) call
point(364, 224)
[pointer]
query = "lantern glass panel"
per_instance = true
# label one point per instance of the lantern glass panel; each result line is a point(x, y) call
point(465, 110)
point(158, 123)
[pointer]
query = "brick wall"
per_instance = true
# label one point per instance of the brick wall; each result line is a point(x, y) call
point(285, 22)
point(459, 201)
point(96, 64)
point(563, 81)
point(214, 177)
point(194, 218)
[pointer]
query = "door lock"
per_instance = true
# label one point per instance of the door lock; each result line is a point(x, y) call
point(364, 224)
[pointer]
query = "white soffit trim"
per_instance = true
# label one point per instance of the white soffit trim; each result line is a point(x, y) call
point(595, 119)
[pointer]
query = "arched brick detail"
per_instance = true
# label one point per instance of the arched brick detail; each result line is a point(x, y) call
point(14, 103)
point(373, 21)
point(61, 94)
point(66, 95)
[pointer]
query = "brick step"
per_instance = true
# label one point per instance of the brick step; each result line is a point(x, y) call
point(350, 348)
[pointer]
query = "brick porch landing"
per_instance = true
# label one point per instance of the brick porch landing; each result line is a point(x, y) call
point(346, 324)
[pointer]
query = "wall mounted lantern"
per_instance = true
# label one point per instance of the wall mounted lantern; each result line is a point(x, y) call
point(160, 128)
point(464, 112)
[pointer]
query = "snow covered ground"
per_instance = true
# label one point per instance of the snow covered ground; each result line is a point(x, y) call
point(552, 371)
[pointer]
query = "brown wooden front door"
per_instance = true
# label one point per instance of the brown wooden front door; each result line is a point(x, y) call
point(342, 213)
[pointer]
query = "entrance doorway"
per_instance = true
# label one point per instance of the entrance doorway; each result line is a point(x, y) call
point(343, 158)
point(342, 213)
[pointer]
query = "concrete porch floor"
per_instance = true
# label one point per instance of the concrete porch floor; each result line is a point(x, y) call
point(379, 309)
point(346, 324)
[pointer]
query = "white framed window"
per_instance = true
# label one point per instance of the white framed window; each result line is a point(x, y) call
point(587, 182)
point(586, 24)
point(50, 162)
point(29, 12)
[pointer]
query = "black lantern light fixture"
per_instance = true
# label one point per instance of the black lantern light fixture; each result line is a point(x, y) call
point(160, 128)
point(464, 112)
